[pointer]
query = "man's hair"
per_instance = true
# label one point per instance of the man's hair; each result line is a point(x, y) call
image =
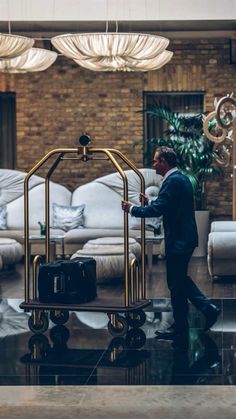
point(167, 154)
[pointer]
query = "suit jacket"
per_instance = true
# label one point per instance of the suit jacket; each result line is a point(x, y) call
point(175, 203)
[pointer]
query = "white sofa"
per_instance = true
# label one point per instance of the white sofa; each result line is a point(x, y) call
point(102, 197)
point(221, 256)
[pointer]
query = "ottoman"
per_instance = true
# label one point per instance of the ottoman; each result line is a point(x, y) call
point(10, 251)
point(221, 253)
point(109, 261)
point(106, 242)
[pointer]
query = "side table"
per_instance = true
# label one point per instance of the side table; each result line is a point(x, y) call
point(53, 240)
point(150, 241)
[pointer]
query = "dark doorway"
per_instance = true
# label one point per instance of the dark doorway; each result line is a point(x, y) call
point(7, 130)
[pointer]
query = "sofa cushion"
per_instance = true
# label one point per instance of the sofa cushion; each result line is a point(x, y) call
point(115, 182)
point(12, 184)
point(222, 245)
point(82, 235)
point(58, 194)
point(223, 226)
point(102, 206)
point(67, 217)
point(221, 253)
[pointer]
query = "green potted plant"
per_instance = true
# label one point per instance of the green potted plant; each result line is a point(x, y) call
point(196, 156)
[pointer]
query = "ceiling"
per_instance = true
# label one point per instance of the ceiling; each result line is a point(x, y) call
point(194, 28)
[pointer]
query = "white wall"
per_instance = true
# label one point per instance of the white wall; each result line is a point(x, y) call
point(170, 10)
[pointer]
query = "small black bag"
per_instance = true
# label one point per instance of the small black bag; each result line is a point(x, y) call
point(68, 281)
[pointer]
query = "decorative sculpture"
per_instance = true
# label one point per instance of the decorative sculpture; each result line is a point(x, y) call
point(220, 127)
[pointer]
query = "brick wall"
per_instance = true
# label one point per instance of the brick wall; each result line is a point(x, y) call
point(55, 106)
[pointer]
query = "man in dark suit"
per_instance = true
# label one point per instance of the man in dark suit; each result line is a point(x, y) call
point(176, 204)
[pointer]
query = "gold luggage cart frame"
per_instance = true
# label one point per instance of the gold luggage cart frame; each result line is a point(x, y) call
point(134, 299)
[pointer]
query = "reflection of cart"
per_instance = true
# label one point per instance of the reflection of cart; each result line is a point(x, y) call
point(52, 362)
point(134, 299)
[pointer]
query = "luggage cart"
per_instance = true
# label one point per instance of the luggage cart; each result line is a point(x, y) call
point(134, 300)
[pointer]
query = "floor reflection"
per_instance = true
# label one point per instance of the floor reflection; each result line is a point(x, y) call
point(84, 352)
point(206, 362)
point(52, 361)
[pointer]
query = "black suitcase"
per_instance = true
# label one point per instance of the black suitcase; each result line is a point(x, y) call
point(68, 281)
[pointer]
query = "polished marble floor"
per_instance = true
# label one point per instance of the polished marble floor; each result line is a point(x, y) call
point(83, 352)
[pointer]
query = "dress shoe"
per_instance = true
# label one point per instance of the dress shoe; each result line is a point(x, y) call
point(211, 313)
point(179, 341)
point(170, 329)
point(165, 335)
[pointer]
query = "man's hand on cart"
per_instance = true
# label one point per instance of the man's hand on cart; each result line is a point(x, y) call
point(143, 199)
point(125, 205)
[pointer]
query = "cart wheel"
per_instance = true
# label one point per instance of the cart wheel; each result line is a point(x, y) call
point(115, 349)
point(38, 346)
point(135, 318)
point(135, 339)
point(41, 326)
point(59, 316)
point(121, 327)
point(59, 335)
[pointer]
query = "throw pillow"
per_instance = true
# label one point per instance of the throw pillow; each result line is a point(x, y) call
point(3, 217)
point(67, 217)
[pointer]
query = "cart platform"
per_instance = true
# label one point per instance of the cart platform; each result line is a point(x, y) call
point(116, 305)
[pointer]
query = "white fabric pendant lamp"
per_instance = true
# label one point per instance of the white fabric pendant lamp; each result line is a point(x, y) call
point(114, 51)
point(35, 59)
point(12, 46)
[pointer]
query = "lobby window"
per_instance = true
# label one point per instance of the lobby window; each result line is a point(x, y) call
point(7, 130)
point(190, 103)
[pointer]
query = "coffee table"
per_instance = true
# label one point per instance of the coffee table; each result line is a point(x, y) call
point(37, 238)
point(150, 241)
